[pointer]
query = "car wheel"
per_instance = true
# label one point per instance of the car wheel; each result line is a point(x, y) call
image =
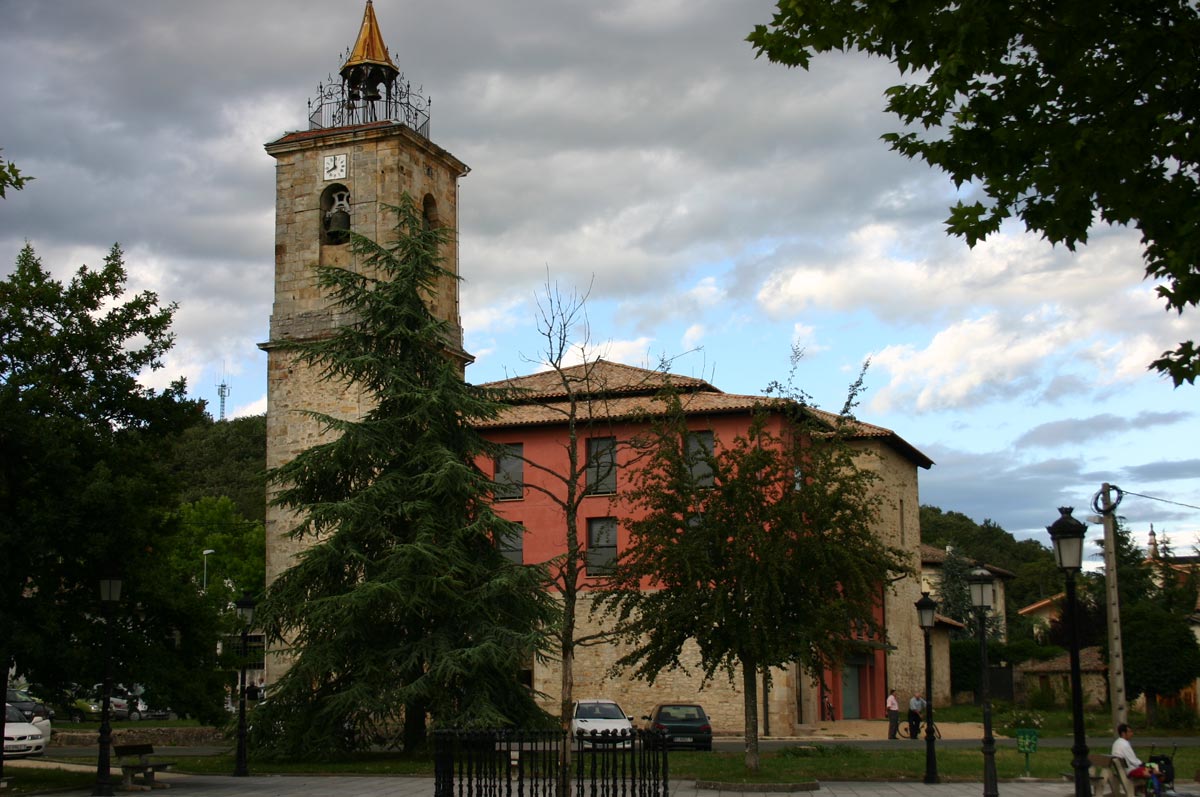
point(135, 715)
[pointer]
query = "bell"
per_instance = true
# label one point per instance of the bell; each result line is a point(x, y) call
point(339, 222)
point(371, 93)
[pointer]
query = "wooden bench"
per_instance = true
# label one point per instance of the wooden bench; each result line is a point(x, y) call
point(1113, 777)
point(134, 760)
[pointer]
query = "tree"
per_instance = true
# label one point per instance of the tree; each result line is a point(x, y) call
point(402, 605)
point(85, 487)
point(11, 177)
point(226, 458)
point(742, 546)
point(1061, 114)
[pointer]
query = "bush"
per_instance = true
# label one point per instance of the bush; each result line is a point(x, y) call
point(1043, 699)
point(1022, 718)
point(1177, 717)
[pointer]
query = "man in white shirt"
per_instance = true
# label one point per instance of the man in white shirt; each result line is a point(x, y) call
point(1122, 748)
point(893, 712)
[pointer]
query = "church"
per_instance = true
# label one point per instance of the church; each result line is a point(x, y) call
point(367, 144)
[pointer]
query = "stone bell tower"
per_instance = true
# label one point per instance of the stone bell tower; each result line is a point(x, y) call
point(367, 144)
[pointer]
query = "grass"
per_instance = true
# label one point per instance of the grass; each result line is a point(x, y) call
point(802, 762)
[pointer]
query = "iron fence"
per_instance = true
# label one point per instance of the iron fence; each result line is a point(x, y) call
point(518, 763)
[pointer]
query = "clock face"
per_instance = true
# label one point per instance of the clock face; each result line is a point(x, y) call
point(335, 167)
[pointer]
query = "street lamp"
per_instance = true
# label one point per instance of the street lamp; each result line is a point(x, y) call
point(245, 611)
point(926, 609)
point(110, 593)
point(205, 553)
point(1067, 535)
point(979, 581)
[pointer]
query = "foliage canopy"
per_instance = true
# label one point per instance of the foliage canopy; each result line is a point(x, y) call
point(401, 604)
point(86, 488)
point(770, 560)
point(1060, 113)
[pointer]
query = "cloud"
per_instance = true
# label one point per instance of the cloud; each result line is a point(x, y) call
point(1094, 429)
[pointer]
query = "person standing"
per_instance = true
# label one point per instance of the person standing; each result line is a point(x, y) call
point(893, 712)
point(916, 707)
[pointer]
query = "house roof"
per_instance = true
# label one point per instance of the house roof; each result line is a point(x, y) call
point(613, 391)
point(1090, 660)
point(1044, 603)
point(933, 555)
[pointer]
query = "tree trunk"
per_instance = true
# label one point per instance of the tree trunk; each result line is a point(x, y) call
point(1151, 708)
point(567, 704)
point(414, 726)
point(750, 701)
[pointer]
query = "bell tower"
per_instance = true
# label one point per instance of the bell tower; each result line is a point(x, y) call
point(366, 145)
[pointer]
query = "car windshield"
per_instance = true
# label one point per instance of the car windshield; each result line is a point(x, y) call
point(599, 711)
point(681, 713)
point(17, 694)
point(13, 714)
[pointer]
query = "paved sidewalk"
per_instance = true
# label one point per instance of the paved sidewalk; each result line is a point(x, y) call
point(364, 786)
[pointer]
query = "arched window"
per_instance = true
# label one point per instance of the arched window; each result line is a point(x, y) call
point(335, 215)
point(429, 212)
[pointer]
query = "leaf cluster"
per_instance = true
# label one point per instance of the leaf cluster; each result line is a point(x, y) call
point(86, 489)
point(1061, 114)
point(775, 562)
point(399, 603)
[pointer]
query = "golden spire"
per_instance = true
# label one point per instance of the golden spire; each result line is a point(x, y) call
point(369, 49)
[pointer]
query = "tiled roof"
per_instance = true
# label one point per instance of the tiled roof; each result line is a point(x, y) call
point(933, 555)
point(613, 391)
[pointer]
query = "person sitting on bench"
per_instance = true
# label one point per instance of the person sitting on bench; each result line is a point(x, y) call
point(1122, 748)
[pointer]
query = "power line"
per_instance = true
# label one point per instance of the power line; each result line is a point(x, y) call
point(1161, 500)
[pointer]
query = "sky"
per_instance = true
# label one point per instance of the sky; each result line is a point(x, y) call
point(715, 208)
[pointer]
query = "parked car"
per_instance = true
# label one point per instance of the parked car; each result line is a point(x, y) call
point(601, 723)
point(33, 710)
point(683, 725)
point(140, 711)
point(28, 705)
point(89, 708)
point(21, 738)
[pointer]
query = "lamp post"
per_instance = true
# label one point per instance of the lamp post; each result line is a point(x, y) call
point(1067, 535)
point(979, 581)
point(245, 610)
point(110, 593)
point(926, 609)
point(205, 553)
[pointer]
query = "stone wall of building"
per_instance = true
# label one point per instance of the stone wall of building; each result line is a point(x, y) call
point(384, 162)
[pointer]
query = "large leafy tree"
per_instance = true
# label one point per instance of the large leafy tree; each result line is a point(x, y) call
point(85, 484)
point(1061, 113)
point(745, 565)
point(401, 604)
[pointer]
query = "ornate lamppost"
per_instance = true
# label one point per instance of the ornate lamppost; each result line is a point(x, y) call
point(110, 593)
point(1067, 535)
point(926, 610)
point(980, 582)
point(245, 610)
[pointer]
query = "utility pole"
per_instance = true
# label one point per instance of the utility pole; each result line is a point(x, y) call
point(1116, 660)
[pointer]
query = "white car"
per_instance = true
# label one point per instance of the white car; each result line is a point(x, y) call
point(601, 723)
point(21, 738)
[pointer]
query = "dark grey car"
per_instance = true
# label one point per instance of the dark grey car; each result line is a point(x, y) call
point(684, 725)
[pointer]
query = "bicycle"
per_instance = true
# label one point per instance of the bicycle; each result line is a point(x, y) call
point(904, 730)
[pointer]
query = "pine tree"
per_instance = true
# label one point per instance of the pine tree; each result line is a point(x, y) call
point(401, 605)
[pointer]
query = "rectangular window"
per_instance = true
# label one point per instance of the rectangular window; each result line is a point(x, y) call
point(601, 545)
point(513, 548)
point(510, 473)
point(602, 465)
point(700, 448)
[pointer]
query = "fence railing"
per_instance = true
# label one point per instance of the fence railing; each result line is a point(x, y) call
point(516, 763)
